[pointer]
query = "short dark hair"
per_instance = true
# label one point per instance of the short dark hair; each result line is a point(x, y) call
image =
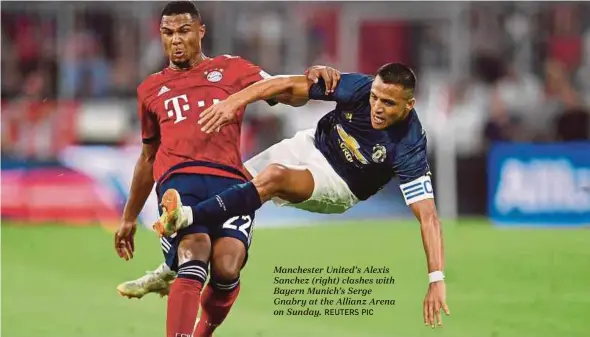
point(397, 73)
point(182, 7)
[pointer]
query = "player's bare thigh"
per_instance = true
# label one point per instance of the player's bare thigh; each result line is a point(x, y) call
point(194, 247)
point(292, 184)
point(228, 258)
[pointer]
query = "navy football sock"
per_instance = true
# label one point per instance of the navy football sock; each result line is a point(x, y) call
point(237, 200)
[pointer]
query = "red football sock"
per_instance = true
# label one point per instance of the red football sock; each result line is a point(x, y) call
point(184, 300)
point(216, 304)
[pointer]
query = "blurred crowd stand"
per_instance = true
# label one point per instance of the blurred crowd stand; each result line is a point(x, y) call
point(488, 72)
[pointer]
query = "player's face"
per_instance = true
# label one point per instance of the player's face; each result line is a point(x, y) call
point(181, 38)
point(390, 103)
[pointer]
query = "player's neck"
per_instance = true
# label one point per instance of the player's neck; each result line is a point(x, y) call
point(193, 63)
point(407, 115)
point(403, 119)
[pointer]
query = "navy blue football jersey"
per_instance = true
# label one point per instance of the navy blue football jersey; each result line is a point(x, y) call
point(366, 158)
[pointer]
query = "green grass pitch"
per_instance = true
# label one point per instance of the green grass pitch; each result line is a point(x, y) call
point(60, 282)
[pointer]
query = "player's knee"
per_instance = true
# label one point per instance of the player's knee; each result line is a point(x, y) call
point(225, 269)
point(273, 178)
point(227, 260)
point(194, 247)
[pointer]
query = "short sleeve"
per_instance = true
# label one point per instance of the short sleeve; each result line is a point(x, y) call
point(150, 130)
point(414, 175)
point(351, 88)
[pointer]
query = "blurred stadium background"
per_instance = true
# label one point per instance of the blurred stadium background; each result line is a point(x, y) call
point(504, 95)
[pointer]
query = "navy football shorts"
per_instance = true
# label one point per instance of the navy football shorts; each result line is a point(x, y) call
point(194, 188)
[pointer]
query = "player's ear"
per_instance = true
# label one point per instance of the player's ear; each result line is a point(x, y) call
point(202, 30)
point(411, 103)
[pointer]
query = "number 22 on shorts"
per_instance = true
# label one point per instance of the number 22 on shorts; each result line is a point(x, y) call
point(229, 224)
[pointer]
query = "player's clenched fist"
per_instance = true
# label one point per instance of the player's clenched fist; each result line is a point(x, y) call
point(124, 240)
point(434, 302)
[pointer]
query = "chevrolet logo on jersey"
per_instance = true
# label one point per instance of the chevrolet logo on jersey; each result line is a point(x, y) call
point(351, 146)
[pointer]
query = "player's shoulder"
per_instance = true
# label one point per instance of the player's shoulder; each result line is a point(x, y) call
point(236, 66)
point(231, 60)
point(410, 147)
point(416, 132)
point(150, 82)
point(356, 82)
point(410, 133)
point(359, 77)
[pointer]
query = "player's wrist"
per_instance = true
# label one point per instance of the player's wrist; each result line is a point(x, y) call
point(127, 218)
point(436, 276)
point(237, 101)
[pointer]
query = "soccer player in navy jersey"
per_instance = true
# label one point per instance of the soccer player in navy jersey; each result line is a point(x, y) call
point(177, 155)
point(372, 135)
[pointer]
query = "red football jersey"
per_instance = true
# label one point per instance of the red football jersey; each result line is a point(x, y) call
point(169, 104)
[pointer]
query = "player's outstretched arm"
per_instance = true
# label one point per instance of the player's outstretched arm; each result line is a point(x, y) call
point(141, 187)
point(294, 86)
point(328, 75)
point(432, 239)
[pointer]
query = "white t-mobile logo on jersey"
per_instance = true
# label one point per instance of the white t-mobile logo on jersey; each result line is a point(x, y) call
point(176, 105)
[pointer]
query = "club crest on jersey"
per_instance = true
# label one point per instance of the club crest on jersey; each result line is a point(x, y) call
point(214, 75)
point(379, 153)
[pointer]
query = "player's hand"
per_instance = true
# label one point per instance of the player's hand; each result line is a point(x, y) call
point(218, 115)
point(330, 76)
point(434, 302)
point(124, 239)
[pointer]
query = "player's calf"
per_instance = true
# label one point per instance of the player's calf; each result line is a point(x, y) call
point(223, 287)
point(216, 302)
point(185, 292)
point(276, 180)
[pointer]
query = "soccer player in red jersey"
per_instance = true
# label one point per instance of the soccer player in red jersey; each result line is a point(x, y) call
point(178, 155)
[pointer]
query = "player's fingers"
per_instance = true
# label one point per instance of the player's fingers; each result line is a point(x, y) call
point(313, 76)
point(328, 80)
point(117, 244)
point(446, 309)
point(122, 249)
point(425, 312)
point(438, 315)
point(209, 110)
point(208, 121)
point(132, 238)
point(224, 123)
point(132, 243)
point(206, 115)
point(129, 247)
point(116, 237)
point(213, 124)
point(120, 252)
point(203, 114)
point(128, 252)
point(431, 314)
point(334, 82)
